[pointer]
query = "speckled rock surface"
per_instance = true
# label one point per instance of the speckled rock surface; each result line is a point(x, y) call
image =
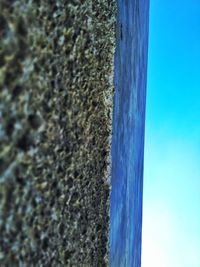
point(56, 87)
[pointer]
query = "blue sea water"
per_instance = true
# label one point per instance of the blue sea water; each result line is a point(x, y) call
point(128, 133)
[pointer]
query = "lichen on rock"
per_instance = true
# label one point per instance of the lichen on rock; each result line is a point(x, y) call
point(56, 87)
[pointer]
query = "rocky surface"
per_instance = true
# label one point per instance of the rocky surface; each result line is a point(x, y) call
point(56, 88)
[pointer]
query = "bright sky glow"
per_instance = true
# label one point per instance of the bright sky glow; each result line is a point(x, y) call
point(171, 213)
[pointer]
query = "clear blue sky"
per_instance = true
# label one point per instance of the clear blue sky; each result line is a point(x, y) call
point(171, 213)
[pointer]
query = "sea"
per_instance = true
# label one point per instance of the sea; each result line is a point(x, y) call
point(130, 78)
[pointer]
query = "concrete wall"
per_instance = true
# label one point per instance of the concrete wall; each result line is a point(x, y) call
point(56, 88)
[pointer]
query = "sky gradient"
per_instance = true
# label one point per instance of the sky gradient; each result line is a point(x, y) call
point(171, 208)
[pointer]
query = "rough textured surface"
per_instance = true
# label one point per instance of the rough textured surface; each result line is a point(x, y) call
point(56, 64)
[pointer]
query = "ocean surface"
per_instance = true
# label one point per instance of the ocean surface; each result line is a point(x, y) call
point(128, 133)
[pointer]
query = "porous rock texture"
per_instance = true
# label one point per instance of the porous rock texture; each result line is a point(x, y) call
point(56, 88)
